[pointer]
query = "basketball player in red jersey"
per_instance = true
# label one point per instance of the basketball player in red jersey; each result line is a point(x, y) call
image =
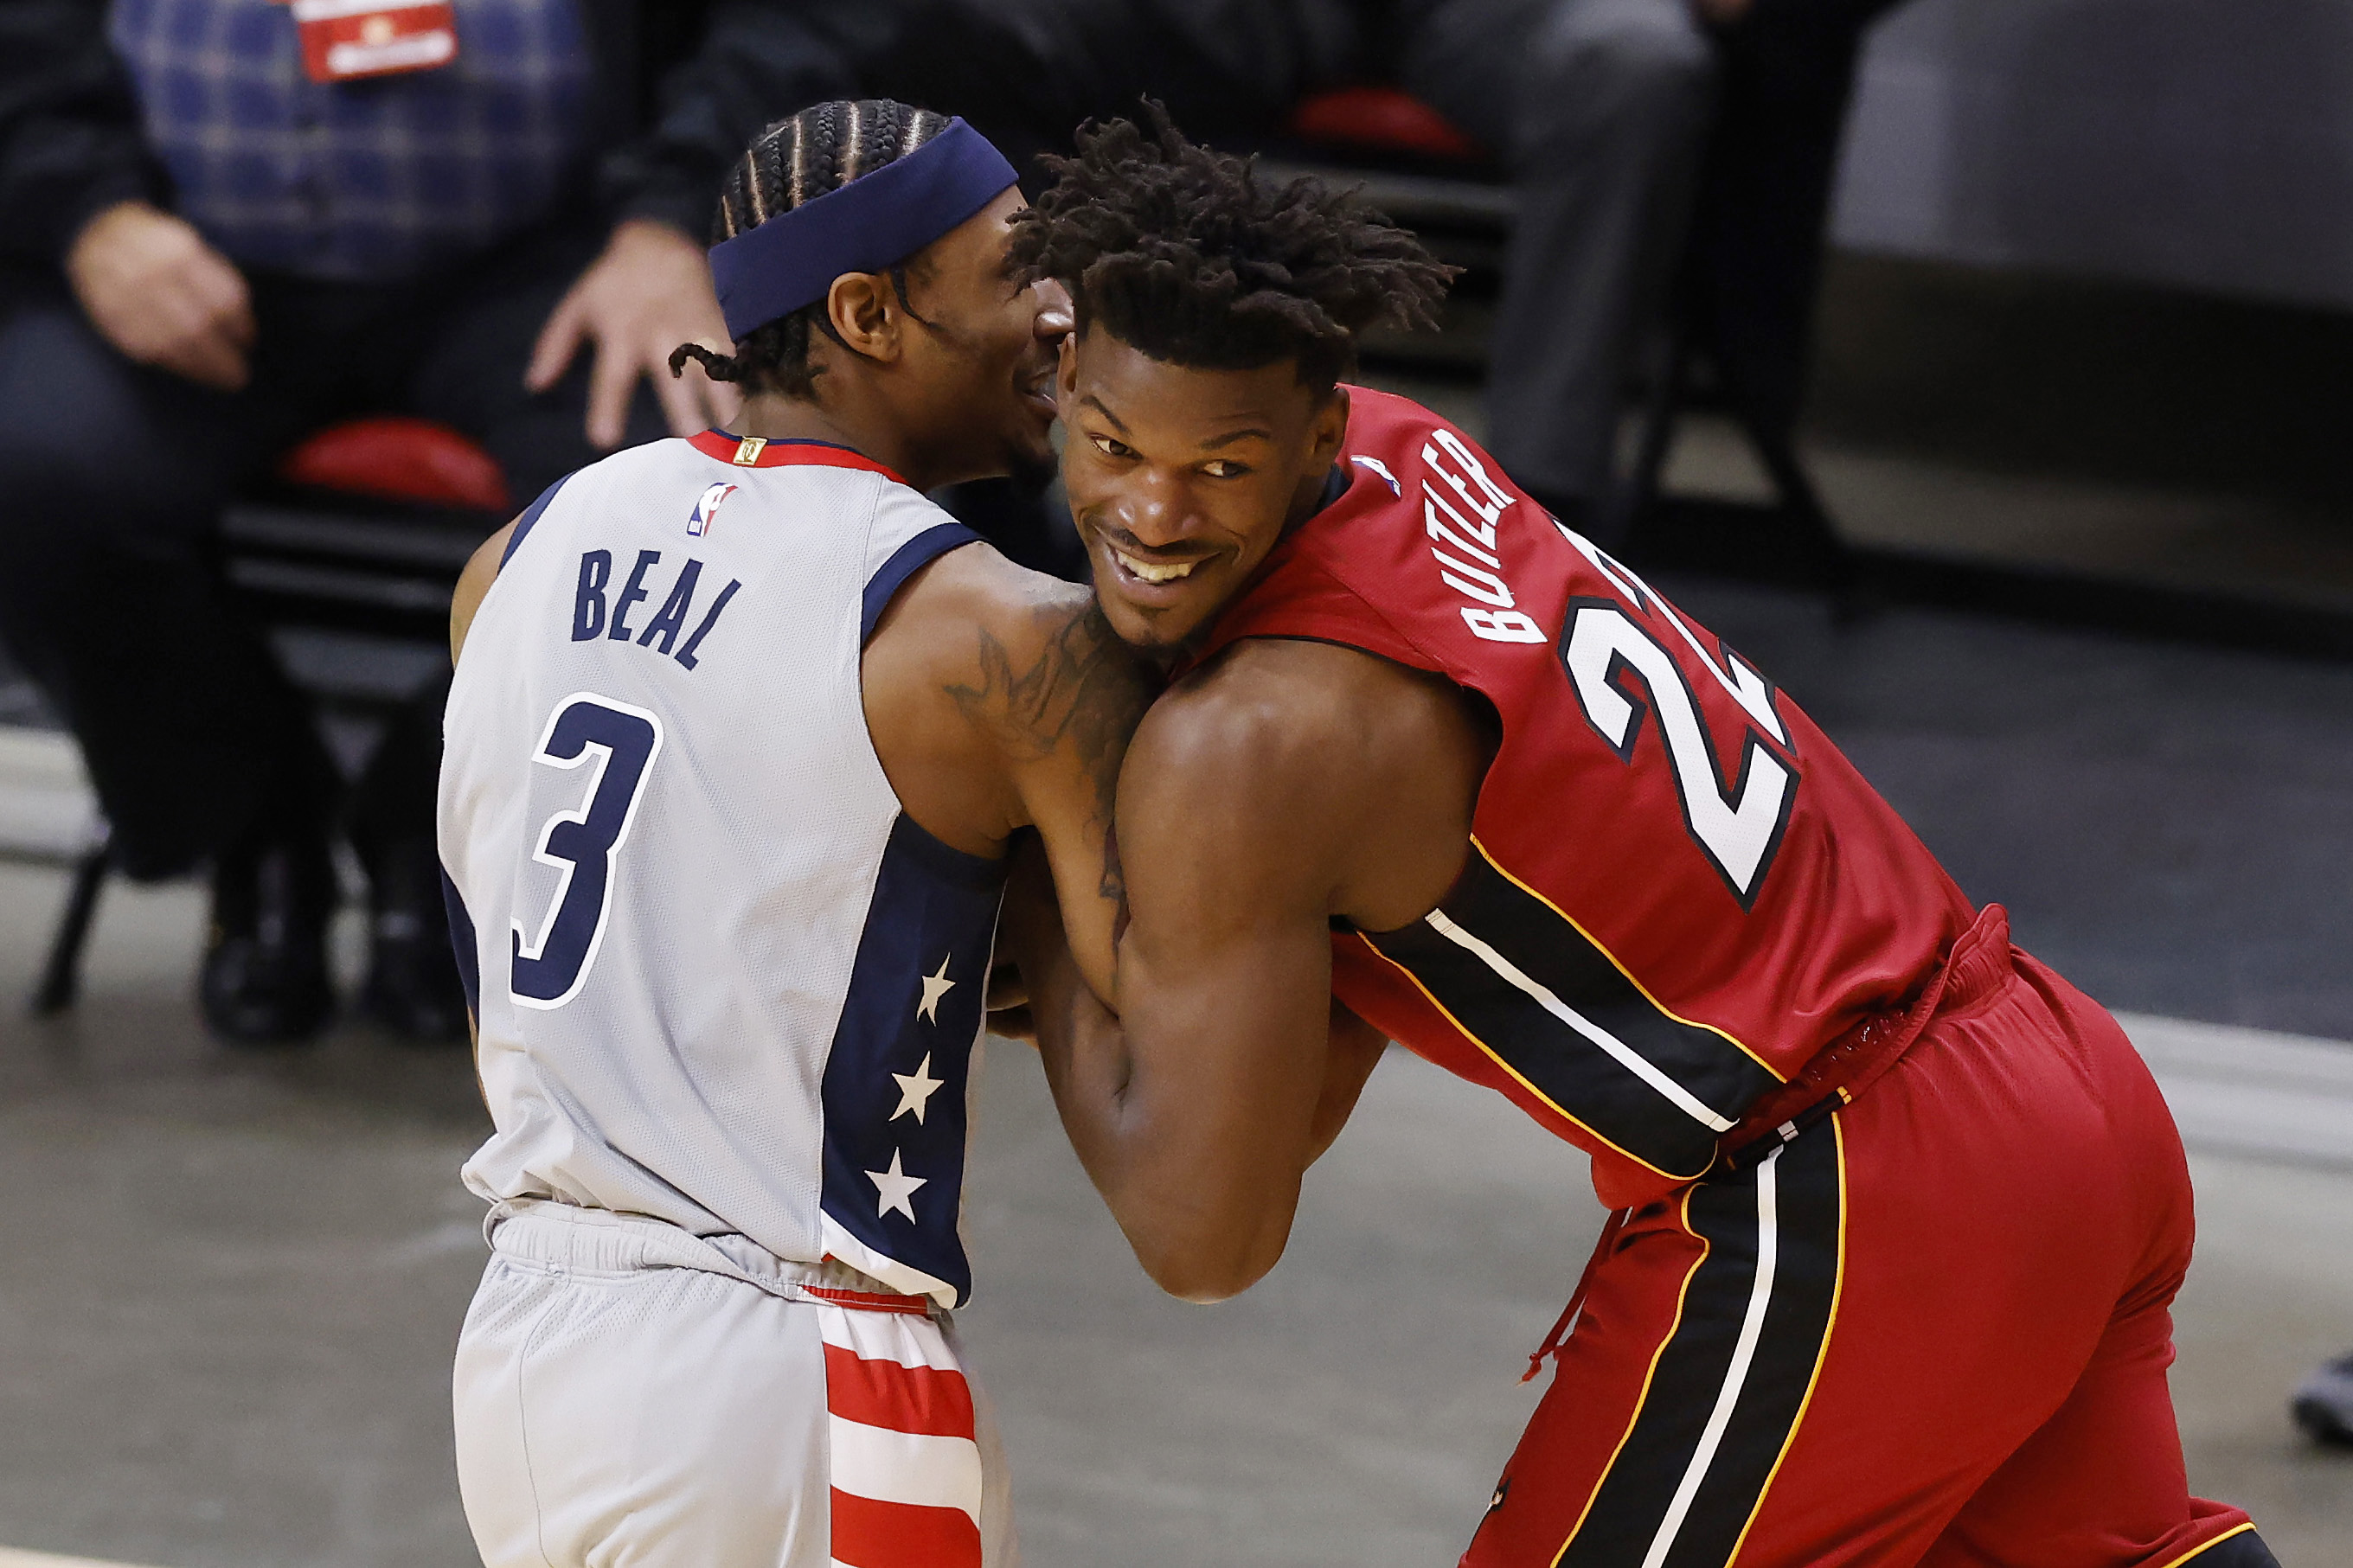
point(1899, 1211)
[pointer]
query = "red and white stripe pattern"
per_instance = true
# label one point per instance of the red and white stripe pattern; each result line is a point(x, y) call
point(906, 1465)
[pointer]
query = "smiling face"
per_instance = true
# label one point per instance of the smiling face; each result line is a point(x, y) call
point(982, 359)
point(1181, 479)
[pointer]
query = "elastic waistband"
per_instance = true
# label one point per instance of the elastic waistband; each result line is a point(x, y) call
point(541, 1230)
point(1976, 965)
point(1980, 964)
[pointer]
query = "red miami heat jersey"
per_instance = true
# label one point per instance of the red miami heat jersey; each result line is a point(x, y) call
point(1678, 890)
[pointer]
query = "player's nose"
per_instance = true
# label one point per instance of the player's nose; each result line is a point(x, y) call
point(1154, 511)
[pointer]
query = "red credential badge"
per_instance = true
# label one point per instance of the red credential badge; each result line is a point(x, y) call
point(343, 41)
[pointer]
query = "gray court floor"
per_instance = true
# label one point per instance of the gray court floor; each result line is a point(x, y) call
point(229, 1284)
point(231, 1287)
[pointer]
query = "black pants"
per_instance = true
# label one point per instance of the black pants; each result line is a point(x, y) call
point(111, 480)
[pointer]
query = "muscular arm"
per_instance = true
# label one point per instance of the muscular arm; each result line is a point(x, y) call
point(1293, 781)
point(998, 700)
point(1061, 718)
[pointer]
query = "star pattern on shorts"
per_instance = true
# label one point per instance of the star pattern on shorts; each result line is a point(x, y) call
point(895, 1187)
point(915, 1090)
point(935, 985)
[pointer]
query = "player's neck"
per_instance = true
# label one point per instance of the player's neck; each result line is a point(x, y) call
point(845, 422)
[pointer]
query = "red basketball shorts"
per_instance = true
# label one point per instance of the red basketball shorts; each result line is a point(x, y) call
point(1932, 1328)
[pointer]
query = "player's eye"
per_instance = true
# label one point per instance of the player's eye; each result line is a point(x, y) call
point(1224, 468)
point(1111, 448)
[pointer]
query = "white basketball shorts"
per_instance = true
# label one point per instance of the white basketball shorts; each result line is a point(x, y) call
point(616, 1405)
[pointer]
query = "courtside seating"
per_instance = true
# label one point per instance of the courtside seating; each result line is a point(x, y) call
point(347, 560)
point(1421, 170)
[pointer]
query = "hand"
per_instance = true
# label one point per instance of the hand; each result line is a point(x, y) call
point(648, 293)
point(1014, 1024)
point(155, 291)
point(1007, 1004)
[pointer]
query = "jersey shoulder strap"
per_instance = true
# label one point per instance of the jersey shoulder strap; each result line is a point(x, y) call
point(909, 533)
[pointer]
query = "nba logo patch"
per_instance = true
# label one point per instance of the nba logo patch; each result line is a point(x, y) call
point(707, 509)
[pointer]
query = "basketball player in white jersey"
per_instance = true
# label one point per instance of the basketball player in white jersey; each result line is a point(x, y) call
point(740, 730)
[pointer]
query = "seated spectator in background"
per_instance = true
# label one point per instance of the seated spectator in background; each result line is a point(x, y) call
point(205, 254)
point(1611, 118)
point(1785, 76)
point(1599, 109)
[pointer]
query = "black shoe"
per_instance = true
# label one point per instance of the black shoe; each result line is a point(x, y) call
point(264, 980)
point(412, 985)
point(2324, 1405)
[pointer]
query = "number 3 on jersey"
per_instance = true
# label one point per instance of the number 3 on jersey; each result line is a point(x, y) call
point(582, 843)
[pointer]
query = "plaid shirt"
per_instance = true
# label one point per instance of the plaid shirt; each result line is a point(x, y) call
point(376, 179)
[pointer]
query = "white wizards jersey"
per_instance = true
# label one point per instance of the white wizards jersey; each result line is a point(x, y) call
point(721, 978)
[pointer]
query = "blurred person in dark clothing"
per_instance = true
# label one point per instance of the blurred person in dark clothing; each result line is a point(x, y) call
point(212, 244)
point(1611, 118)
point(1753, 271)
point(1598, 110)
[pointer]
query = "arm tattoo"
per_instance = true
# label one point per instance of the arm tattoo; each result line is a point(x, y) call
point(1080, 697)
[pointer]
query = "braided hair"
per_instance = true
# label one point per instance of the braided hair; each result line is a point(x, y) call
point(1184, 254)
point(821, 149)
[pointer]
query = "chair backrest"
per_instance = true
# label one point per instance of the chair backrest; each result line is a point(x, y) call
point(1380, 119)
point(398, 457)
point(360, 543)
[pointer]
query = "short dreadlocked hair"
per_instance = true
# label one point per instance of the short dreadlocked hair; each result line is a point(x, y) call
point(821, 149)
point(1188, 255)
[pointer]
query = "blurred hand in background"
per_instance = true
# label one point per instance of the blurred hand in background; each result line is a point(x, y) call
point(648, 292)
point(162, 296)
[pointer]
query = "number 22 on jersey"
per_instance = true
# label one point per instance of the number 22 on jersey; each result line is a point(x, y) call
point(582, 844)
point(1737, 823)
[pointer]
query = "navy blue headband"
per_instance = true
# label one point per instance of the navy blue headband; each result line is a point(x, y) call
point(870, 225)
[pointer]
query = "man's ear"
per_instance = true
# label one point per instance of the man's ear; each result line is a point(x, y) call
point(1330, 429)
point(864, 310)
point(1066, 371)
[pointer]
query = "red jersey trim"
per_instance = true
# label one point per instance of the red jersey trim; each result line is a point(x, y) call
point(871, 1301)
point(759, 452)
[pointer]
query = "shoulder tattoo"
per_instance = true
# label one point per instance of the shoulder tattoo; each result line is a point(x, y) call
point(1077, 695)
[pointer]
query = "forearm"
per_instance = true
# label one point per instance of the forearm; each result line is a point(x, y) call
point(1080, 1041)
point(1207, 1213)
point(1087, 1068)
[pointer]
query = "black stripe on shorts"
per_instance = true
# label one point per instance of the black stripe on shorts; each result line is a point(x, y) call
point(1728, 1387)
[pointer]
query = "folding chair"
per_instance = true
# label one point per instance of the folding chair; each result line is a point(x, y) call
point(359, 536)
